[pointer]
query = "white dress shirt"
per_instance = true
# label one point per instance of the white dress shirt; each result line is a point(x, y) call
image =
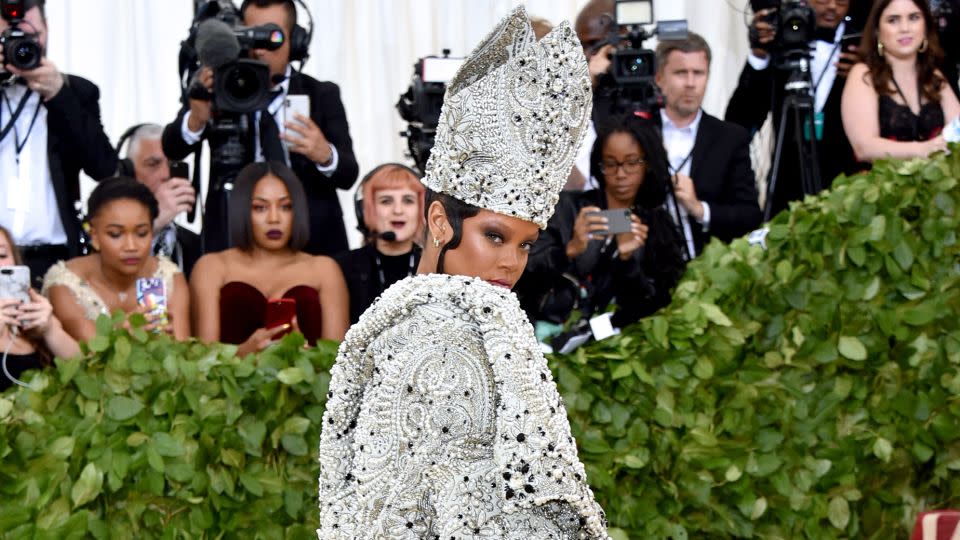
point(822, 68)
point(679, 145)
point(28, 202)
point(279, 113)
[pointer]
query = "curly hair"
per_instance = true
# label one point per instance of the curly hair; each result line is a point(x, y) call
point(927, 61)
point(656, 178)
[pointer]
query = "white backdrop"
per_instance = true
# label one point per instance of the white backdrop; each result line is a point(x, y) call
point(368, 47)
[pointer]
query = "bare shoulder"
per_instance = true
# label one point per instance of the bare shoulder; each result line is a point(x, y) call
point(324, 266)
point(210, 267)
point(860, 73)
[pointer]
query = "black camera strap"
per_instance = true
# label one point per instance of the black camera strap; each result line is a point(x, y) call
point(12, 124)
point(675, 176)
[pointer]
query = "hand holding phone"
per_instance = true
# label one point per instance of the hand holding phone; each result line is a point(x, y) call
point(618, 221)
point(280, 311)
point(15, 283)
point(152, 297)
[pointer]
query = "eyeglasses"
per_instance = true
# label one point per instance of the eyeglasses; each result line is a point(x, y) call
point(629, 166)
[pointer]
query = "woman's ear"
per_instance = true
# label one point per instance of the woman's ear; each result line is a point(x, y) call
point(437, 222)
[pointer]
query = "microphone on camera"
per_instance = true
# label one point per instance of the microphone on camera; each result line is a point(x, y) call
point(216, 43)
point(389, 236)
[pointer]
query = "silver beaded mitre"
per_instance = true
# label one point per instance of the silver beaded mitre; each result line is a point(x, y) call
point(512, 121)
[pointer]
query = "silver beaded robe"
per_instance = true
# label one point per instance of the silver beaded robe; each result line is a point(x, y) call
point(443, 421)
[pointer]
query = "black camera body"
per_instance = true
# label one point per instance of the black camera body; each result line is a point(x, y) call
point(794, 23)
point(422, 102)
point(21, 49)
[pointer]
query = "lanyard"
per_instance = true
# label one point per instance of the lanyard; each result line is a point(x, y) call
point(380, 274)
point(19, 145)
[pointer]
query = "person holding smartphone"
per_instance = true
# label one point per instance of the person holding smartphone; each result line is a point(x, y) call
point(633, 266)
point(237, 293)
point(29, 332)
point(175, 195)
point(120, 213)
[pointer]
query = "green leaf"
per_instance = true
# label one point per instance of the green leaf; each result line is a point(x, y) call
point(715, 315)
point(290, 376)
point(903, 255)
point(622, 370)
point(839, 512)
point(99, 343)
point(295, 444)
point(166, 445)
point(88, 486)
point(882, 449)
point(5, 407)
point(851, 347)
point(122, 408)
point(62, 447)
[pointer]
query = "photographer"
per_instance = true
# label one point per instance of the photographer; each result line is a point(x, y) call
point(761, 91)
point(319, 148)
point(51, 130)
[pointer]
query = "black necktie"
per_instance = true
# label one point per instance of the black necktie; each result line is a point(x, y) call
point(270, 136)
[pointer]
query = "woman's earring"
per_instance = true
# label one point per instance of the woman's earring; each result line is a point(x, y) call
point(880, 48)
point(436, 242)
point(923, 47)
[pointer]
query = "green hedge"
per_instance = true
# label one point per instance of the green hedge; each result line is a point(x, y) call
point(810, 390)
point(151, 438)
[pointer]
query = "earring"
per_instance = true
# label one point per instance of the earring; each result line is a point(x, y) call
point(880, 48)
point(436, 242)
point(923, 47)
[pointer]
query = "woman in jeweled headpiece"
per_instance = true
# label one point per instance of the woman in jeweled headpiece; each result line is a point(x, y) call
point(443, 419)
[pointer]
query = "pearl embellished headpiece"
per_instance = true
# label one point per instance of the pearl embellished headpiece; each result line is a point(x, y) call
point(513, 119)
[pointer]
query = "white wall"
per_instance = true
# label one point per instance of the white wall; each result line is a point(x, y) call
point(129, 49)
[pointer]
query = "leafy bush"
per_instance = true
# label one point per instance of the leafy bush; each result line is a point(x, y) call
point(808, 391)
point(151, 438)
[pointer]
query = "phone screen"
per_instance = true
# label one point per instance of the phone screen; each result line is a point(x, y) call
point(152, 296)
point(15, 283)
point(280, 311)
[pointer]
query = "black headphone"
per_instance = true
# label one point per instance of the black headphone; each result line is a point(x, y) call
point(299, 37)
point(125, 165)
point(358, 200)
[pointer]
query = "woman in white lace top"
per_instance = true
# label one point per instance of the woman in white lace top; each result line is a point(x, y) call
point(120, 212)
point(442, 419)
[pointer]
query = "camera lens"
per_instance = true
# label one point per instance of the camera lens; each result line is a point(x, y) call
point(241, 83)
point(26, 54)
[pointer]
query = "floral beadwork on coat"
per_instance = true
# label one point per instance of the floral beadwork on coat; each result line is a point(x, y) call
point(443, 420)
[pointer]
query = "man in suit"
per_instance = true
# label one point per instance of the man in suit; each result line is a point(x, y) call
point(53, 130)
point(761, 91)
point(714, 185)
point(174, 196)
point(319, 149)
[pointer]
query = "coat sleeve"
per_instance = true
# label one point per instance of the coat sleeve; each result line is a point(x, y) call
point(174, 147)
point(752, 99)
point(333, 123)
point(738, 212)
point(74, 117)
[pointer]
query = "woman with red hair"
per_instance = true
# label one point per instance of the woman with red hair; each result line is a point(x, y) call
point(391, 218)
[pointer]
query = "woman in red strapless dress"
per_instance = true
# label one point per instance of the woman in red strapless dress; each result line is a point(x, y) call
point(230, 289)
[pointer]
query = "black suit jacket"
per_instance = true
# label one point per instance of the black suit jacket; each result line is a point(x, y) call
point(188, 243)
point(723, 177)
point(76, 141)
point(760, 92)
point(327, 233)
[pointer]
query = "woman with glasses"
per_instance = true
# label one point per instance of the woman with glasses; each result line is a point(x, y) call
point(636, 269)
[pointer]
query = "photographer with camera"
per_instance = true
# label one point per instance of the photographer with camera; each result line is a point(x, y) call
point(318, 148)
point(798, 47)
point(714, 187)
point(50, 129)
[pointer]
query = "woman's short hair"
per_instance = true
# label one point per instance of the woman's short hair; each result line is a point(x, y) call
point(241, 200)
point(456, 211)
point(17, 259)
point(389, 176)
point(118, 188)
point(880, 73)
point(656, 175)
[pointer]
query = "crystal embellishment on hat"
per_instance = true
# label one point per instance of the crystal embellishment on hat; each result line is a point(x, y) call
point(513, 119)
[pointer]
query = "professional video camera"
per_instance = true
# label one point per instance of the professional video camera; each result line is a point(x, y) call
point(420, 105)
point(630, 84)
point(21, 49)
point(794, 23)
point(216, 40)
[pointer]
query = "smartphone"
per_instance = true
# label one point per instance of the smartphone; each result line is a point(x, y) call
point(296, 104)
point(618, 221)
point(179, 169)
point(153, 298)
point(280, 311)
point(850, 39)
point(15, 283)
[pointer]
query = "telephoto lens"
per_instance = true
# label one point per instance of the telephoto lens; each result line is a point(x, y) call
point(21, 49)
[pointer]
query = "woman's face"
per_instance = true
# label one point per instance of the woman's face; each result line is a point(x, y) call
point(398, 211)
point(623, 166)
point(902, 28)
point(6, 251)
point(494, 248)
point(122, 231)
point(271, 213)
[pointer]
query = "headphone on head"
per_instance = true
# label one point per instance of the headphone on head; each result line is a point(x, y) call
point(125, 165)
point(357, 195)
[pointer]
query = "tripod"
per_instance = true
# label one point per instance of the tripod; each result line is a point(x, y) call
point(798, 105)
